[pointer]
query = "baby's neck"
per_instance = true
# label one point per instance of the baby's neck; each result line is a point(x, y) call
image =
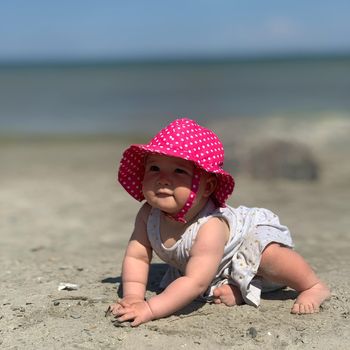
point(190, 217)
point(172, 230)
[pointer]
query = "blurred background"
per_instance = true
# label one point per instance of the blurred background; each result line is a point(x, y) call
point(112, 67)
point(80, 80)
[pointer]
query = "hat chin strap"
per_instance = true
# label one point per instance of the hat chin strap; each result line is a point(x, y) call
point(180, 216)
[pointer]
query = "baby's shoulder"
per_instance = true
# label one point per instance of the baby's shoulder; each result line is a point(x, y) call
point(214, 226)
point(144, 213)
point(219, 217)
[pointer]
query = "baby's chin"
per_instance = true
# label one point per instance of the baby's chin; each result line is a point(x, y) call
point(166, 208)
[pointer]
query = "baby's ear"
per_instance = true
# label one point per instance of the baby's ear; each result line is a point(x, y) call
point(210, 185)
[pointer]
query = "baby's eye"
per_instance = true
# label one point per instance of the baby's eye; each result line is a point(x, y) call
point(180, 171)
point(153, 168)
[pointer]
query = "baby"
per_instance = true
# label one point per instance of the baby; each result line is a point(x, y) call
point(216, 252)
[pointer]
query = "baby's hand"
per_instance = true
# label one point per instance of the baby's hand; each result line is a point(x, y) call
point(126, 301)
point(138, 312)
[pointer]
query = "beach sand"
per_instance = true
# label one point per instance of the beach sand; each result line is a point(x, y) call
point(63, 218)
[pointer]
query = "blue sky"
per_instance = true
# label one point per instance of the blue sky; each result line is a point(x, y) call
point(122, 29)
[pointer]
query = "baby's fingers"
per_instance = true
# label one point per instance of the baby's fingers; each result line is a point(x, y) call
point(121, 311)
point(113, 309)
point(117, 307)
point(126, 316)
point(136, 322)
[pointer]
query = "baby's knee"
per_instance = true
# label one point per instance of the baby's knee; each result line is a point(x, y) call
point(269, 257)
point(271, 250)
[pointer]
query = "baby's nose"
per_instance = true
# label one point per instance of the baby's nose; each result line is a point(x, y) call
point(163, 179)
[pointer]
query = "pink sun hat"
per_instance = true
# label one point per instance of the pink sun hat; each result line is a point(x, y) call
point(183, 138)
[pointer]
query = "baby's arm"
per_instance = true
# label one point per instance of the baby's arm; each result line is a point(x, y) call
point(136, 262)
point(205, 257)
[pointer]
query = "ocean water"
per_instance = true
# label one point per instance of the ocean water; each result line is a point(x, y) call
point(141, 97)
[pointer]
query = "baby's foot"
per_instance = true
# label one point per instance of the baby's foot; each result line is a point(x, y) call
point(309, 300)
point(228, 295)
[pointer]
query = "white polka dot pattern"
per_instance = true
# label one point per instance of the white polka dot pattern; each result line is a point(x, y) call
point(185, 139)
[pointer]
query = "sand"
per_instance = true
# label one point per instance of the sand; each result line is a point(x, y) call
point(63, 218)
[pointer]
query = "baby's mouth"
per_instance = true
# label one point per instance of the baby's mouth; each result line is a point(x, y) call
point(163, 194)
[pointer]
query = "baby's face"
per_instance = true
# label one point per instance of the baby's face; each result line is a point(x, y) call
point(167, 182)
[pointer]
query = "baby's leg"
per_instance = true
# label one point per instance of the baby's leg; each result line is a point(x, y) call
point(283, 265)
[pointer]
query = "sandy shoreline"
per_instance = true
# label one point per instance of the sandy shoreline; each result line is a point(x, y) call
point(64, 219)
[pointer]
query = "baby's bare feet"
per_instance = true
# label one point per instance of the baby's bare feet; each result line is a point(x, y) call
point(309, 300)
point(228, 295)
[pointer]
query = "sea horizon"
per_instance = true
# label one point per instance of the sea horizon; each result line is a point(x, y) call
point(135, 97)
point(169, 60)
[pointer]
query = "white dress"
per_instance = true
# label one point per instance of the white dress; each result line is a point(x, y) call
point(251, 230)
